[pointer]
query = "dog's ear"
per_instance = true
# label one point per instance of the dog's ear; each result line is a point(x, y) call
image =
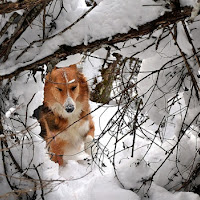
point(73, 67)
point(48, 76)
point(82, 78)
point(55, 68)
point(78, 67)
point(50, 69)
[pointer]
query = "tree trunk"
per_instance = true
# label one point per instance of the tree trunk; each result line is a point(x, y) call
point(101, 93)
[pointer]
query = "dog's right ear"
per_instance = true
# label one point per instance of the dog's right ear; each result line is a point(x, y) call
point(48, 76)
point(55, 68)
point(73, 67)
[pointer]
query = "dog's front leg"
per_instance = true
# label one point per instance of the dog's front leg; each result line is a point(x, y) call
point(89, 144)
point(57, 147)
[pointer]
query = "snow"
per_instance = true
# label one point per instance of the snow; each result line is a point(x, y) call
point(9, 112)
point(134, 176)
point(86, 180)
point(72, 81)
point(188, 2)
point(160, 193)
point(89, 184)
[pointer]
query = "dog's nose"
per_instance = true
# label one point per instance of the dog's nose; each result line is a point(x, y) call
point(69, 108)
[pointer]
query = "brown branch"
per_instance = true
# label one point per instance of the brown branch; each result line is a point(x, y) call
point(11, 21)
point(25, 4)
point(102, 91)
point(27, 108)
point(41, 183)
point(44, 21)
point(64, 51)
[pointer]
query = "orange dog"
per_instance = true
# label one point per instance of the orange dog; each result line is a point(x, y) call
point(65, 117)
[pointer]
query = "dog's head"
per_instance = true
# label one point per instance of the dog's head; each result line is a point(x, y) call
point(62, 89)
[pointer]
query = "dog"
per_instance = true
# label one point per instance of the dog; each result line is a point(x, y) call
point(65, 119)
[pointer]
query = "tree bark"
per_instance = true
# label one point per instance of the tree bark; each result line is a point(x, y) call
point(101, 93)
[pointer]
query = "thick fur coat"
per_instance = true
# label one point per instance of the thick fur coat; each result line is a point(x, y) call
point(65, 118)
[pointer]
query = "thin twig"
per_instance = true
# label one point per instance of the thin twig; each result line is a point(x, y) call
point(41, 184)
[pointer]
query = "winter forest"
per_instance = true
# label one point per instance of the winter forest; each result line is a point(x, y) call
point(141, 61)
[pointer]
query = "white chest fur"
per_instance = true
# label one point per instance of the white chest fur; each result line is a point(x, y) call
point(75, 135)
point(76, 130)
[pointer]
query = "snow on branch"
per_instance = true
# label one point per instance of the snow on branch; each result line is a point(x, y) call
point(144, 71)
point(64, 51)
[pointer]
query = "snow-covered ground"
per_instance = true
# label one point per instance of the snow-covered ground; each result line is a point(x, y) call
point(133, 176)
point(95, 180)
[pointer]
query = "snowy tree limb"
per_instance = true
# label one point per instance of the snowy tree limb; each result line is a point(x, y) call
point(64, 30)
point(64, 51)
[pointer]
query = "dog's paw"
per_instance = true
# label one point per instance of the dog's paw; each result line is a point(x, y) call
point(57, 159)
point(85, 161)
point(89, 145)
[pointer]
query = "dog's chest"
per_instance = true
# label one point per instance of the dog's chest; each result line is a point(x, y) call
point(76, 129)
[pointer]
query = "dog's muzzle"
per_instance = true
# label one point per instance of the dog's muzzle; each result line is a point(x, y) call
point(69, 108)
point(69, 105)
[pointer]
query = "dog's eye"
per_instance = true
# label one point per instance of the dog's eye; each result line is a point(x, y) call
point(59, 89)
point(73, 88)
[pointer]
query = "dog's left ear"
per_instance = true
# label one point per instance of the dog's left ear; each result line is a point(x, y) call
point(55, 68)
point(77, 67)
point(73, 67)
point(48, 77)
point(82, 78)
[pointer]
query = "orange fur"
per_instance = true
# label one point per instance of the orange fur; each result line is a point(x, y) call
point(66, 121)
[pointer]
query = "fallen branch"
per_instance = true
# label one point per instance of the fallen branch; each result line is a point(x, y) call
point(64, 51)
